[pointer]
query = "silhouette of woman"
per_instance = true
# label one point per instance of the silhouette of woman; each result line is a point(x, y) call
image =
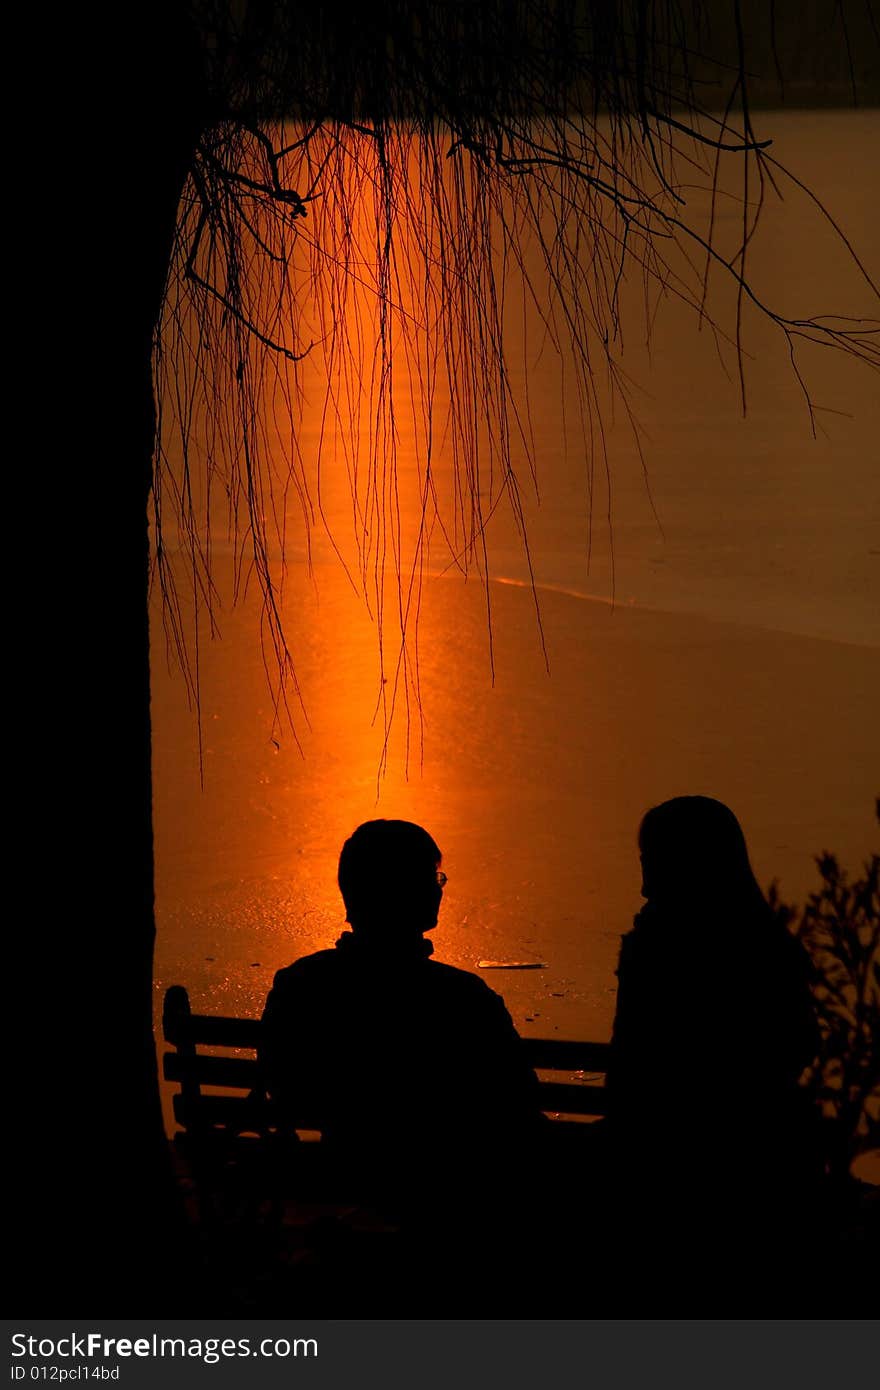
point(711, 1136)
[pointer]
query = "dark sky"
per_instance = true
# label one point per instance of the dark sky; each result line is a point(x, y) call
point(825, 51)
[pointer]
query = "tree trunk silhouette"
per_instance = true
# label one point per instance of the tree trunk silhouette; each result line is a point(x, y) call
point(95, 1221)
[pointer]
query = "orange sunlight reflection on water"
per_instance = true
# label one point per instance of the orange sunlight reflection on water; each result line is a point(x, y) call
point(709, 674)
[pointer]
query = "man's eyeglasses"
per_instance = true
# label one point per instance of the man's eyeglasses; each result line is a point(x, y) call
point(442, 880)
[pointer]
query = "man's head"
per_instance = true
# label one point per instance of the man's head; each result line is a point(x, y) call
point(389, 878)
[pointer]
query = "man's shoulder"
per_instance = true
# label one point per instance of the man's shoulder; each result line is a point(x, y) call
point(301, 989)
point(318, 964)
point(462, 982)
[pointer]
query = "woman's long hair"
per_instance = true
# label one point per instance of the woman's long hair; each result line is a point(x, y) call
point(709, 965)
point(693, 849)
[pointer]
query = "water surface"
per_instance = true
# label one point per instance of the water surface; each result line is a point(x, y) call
point(733, 649)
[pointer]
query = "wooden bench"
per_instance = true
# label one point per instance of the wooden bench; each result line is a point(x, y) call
point(222, 1105)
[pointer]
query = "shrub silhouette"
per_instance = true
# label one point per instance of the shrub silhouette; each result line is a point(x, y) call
point(840, 928)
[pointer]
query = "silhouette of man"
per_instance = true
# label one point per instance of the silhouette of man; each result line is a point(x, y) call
point(411, 1069)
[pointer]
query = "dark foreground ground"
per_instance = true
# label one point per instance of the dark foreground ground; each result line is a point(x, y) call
point(259, 1254)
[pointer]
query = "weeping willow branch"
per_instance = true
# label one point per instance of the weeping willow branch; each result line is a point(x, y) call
point(378, 199)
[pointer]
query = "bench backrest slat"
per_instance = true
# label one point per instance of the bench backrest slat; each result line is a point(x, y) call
point(236, 1114)
point(549, 1054)
point(187, 1031)
point(214, 1030)
point(243, 1073)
